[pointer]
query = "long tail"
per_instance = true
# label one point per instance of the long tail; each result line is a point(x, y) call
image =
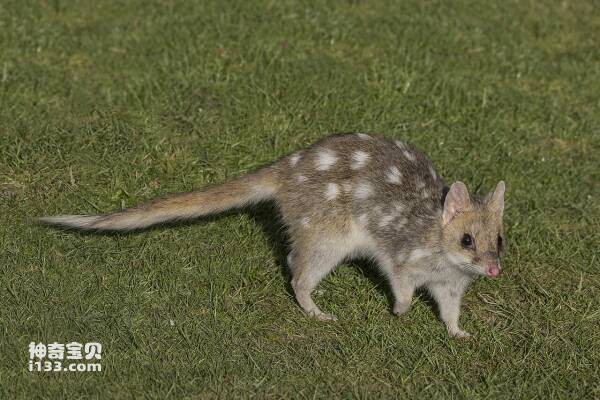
point(241, 191)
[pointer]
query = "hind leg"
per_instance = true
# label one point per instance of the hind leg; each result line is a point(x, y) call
point(309, 265)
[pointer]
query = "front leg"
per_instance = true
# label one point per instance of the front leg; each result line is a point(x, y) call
point(400, 283)
point(448, 296)
point(403, 291)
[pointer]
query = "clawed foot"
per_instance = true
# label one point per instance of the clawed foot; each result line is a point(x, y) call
point(321, 316)
point(458, 333)
point(400, 308)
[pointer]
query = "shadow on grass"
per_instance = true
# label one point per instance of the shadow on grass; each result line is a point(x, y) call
point(266, 216)
point(370, 271)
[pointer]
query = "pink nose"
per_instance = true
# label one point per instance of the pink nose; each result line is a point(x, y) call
point(493, 269)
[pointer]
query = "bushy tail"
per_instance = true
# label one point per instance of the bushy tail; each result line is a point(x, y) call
point(241, 191)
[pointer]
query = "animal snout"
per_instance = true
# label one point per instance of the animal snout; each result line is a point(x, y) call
point(493, 269)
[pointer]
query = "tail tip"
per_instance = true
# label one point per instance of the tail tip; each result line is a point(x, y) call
point(70, 221)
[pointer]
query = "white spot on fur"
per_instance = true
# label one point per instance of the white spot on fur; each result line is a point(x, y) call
point(393, 175)
point(301, 178)
point(363, 136)
point(401, 144)
point(420, 185)
point(401, 257)
point(399, 207)
point(332, 191)
point(325, 160)
point(409, 156)
point(363, 219)
point(294, 159)
point(433, 174)
point(305, 221)
point(401, 223)
point(359, 159)
point(385, 220)
point(363, 190)
point(425, 194)
point(417, 254)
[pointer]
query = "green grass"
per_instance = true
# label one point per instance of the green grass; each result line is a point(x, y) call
point(105, 104)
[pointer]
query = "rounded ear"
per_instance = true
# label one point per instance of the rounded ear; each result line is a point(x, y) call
point(456, 201)
point(495, 200)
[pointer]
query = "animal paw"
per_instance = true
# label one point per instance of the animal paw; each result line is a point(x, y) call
point(326, 317)
point(401, 308)
point(321, 316)
point(458, 333)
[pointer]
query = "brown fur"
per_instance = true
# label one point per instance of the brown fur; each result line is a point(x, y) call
point(353, 195)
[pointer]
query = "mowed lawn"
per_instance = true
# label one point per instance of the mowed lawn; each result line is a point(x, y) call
point(106, 104)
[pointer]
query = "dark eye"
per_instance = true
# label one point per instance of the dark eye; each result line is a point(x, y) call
point(467, 240)
point(499, 243)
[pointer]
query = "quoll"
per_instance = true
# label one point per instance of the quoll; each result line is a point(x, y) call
point(347, 196)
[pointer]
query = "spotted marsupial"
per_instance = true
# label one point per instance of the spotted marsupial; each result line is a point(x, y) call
point(348, 196)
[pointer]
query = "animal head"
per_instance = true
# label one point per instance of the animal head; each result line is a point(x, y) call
point(472, 232)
